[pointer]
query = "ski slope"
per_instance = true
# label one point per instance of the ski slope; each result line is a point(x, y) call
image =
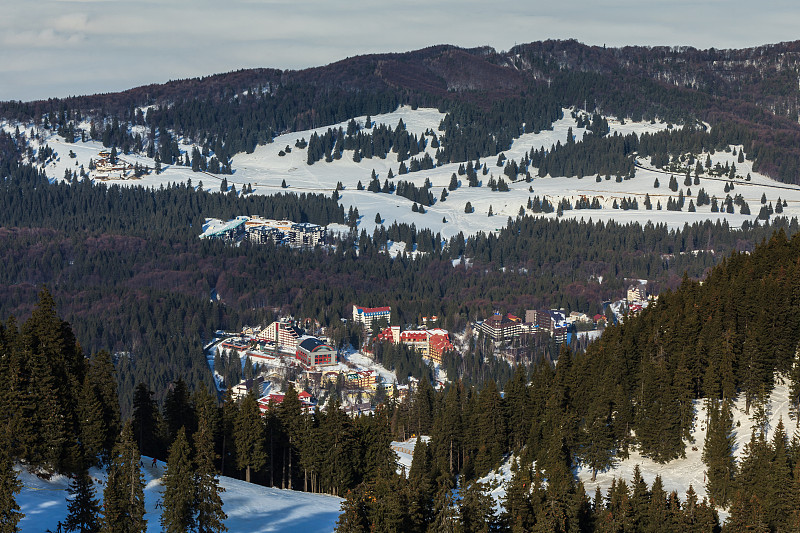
point(250, 508)
point(265, 170)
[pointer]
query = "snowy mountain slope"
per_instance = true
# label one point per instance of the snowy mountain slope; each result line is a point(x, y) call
point(265, 170)
point(250, 507)
point(679, 474)
point(676, 475)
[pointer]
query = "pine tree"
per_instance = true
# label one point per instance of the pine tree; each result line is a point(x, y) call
point(92, 427)
point(102, 376)
point(145, 421)
point(123, 497)
point(210, 516)
point(718, 452)
point(178, 410)
point(249, 436)
point(10, 486)
point(179, 490)
point(83, 508)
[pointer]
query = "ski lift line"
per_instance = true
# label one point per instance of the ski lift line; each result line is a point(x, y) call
point(736, 182)
point(257, 184)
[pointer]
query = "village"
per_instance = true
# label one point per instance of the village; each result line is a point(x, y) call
point(258, 230)
point(298, 352)
point(109, 167)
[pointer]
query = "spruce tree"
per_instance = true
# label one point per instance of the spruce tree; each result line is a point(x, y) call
point(249, 436)
point(10, 486)
point(83, 508)
point(208, 503)
point(445, 519)
point(518, 513)
point(354, 517)
point(145, 421)
point(179, 491)
point(421, 487)
point(178, 410)
point(92, 428)
point(102, 376)
point(718, 452)
point(123, 497)
point(476, 510)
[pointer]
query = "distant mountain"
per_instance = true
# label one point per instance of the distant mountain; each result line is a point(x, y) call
point(754, 90)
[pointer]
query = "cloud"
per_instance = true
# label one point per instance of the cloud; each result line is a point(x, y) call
point(72, 22)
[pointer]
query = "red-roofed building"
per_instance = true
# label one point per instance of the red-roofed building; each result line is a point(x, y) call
point(365, 379)
point(368, 315)
point(429, 342)
point(305, 396)
point(274, 399)
point(391, 334)
point(437, 346)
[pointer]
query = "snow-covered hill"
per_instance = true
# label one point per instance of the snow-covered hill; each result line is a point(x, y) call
point(250, 508)
point(265, 170)
point(676, 475)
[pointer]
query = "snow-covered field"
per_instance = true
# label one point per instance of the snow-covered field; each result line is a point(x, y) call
point(250, 508)
point(265, 170)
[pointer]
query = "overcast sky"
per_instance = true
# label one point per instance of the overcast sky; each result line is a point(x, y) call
point(54, 48)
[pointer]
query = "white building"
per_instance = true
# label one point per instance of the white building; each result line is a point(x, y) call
point(368, 315)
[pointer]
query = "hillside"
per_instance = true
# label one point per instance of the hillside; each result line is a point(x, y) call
point(752, 89)
point(265, 170)
point(249, 507)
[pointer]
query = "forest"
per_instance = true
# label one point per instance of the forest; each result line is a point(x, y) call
point(524, 90)
point(635, 388)
point(126, 268)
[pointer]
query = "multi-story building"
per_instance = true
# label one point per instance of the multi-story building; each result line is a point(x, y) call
point(438, 345)
point(368, 315)
point(637, 293)
point(263, 234)
point(283, 333)
point(501, 327)
point(431, 343)
point(305, 234)
point(363, 379)
point(312, 353)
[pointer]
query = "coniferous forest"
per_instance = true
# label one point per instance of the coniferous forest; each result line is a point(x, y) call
point(636, 387)
point(106, 297)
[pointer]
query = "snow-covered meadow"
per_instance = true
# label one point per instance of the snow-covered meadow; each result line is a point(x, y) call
point(250, 508)
point(265, 170)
